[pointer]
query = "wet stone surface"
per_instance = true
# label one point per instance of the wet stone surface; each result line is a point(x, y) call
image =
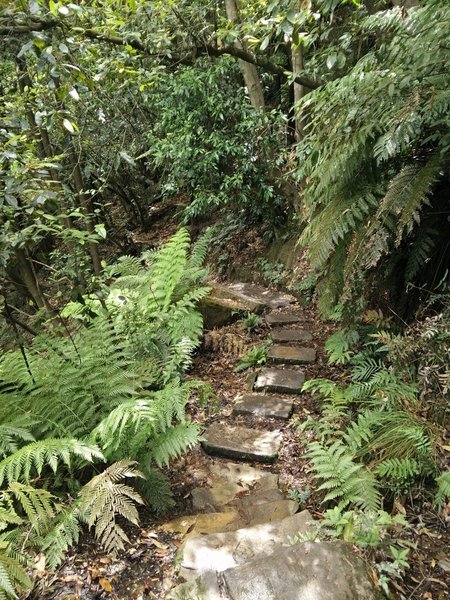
point(290, 355)
point(262, 405)
point(283, 381)
point(241, 442)
point(290, 335)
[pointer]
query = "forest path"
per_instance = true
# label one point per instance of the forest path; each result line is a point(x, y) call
point(236, 545)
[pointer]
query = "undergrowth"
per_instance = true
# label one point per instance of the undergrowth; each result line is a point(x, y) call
point(91, 411)
point(380, 434)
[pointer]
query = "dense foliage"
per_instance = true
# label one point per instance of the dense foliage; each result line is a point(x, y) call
point(375, 161)
point(103, 401)
point(122, 120)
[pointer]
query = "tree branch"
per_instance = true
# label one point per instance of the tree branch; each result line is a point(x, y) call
point(208, 49)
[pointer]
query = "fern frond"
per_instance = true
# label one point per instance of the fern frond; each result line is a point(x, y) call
point(345, 479)
point(32, 458)
point(156, 490)
point(12, 574)
point(103, 498)
point(443, 490)
point(173, 442)
point(63, 533)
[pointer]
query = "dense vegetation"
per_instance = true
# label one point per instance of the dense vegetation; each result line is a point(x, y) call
point(326, 118)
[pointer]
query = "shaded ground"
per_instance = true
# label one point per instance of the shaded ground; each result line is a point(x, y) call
point(147, 569)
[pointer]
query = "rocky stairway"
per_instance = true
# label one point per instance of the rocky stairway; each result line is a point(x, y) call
point(237, 543)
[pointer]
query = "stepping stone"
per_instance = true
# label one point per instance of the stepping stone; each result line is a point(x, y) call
point(283, 381)
point(221, 551)
point(290, 335)
point(305, 571)
point(241, 442)
point(225, 299)
point(283, 318)
point(215, 522)
point(261, 405)
point(291, 355)
point(215, 498)
point(245, 475)
point(256, 293)
point(249, 507)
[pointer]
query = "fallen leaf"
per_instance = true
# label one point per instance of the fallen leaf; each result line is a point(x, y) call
point(39, 563)
point(106, 584)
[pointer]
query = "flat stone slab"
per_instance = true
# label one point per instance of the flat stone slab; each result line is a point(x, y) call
point(216, 522)
point(290, 335)
point(291, 355)
point(306, 571)
point(262, 405)
point(256, 293)
point(213, 499)
point(283, 381)
point(221, 551)
point(245, 475)
point(242, 442)
point(246, 508)
point(282, 318)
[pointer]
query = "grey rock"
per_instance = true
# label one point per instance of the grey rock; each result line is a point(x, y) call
point(290, 335)
point(221, 551)
point(282, 318)
point(262, 405)
point(215, 499)
point(245, 475)
point(306, 571)
point(291, 355)
point(202, 588)
point(242, 442)
point(283, 381)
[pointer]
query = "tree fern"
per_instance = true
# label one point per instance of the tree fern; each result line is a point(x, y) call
point(374, 157)
point(62, 532)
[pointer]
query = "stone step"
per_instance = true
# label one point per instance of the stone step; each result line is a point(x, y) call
point(225, 299)
point(252, 507)
point(291, 355)
point(282, 381)
point(282, 318)
point(280, 335)
point(257, 293)
point(221, 551)
point(242, 442)
point(262, 405)
point(304, 571)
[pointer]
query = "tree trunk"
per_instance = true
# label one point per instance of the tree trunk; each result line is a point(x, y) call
point(249, 72)
point(31, 282)
point(299, 92)
point(86, 205)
